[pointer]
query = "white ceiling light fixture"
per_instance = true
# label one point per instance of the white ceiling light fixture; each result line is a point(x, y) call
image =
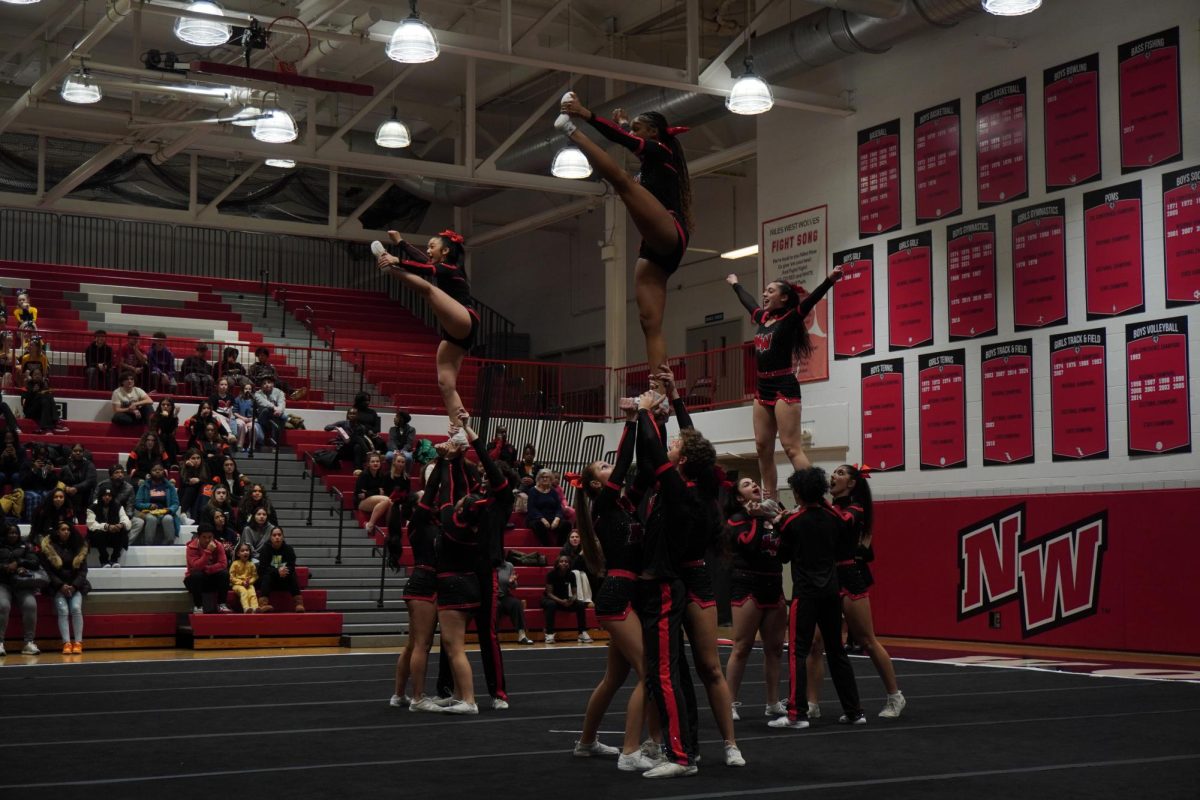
point(741, 252)
point(570, 163)
point(78, 87)
point(247, 116)
point(276, 127)
point(413, 41)
point(203, 32)
point(280, 163)
point(1011, 8)
point(393, 133)
point(20, 2)
point(750, 93)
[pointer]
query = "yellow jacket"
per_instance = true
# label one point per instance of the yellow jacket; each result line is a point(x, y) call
point(242, 571)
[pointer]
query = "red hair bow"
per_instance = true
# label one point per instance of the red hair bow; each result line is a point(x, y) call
point(722, 477)
point(863, 470)
point(675, 130)
point(574, 478)
point(457, 238)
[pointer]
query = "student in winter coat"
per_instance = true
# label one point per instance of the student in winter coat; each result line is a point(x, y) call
point(79, 477)
point(277, 568)
point(64, 557)
point(53, 510)
point(18, 558)
point(124, 493)
point(108, 525)
point(158, 504)
point(12, 458)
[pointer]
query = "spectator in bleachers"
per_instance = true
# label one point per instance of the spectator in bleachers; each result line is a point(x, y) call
point(561, 595)
point(53, 510)
point(193, 477)
point(371, 490)
point(232, 479)
point(366, 415)
point(256, 531)
point(217, 501)
point(507, 603)
point(197, 372)
point(132, 360)
point(8, 359)
point(98, 362)
point(146, 454)
point(164, 422)
point(124, 493)
point(194, 425)
point(254, 499)
point(528, 469)
point(157, 504)
point(223, 533)
point(64, 557)
point(108, 527)
point(262, 368)
point(277, 569)
point(271, 409)
point(38, 480)
point(79, 477)
point(18, 563)
point(543, 513)
point(12, 458)
point(207, 572)
point(213, 448)
point(34, 357)
point(162, 365)
point(568, 512)
point(130, 403)
point(38, 404)
point(402, 436)
point(25, 312)
point(232, 369)
point(243, 412)
point(501, 449)
point(223, 402)
point(243, 575)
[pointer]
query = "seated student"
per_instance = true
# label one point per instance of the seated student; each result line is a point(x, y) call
point(157, 504)
point(124, 493)
point(38, 480)
point(507, 603)
point(223, 533)
point(147, 453)
point(223, 402)
point(25, 312)
point(18, 560)
point(12, 458)
point(78, 476)
point(98, 362)
point(277, 570)
point(213, 447)
point(366, 415)
point(255, 498)
point(561, 595)
point(53, 510)
point(500, 448)
point(233, 480)
point(37, 403)
point(232, 369)
point(271, 409)
point(371, 492)
point(573, 549)
point(544, 514)
point(64, 557)
point(33, 357)
point(193, 476)
point(218, 501)
point(194, 425)
point(131, 359)
point(262, 368)
point(9, 359)
point(164, 422)
point(243, 575)
point(130, 404)
point(197, 372)
point(402, 437)
point(108, 527)
point(243, 412)
point(256, 531)
point(207, 572)
point(162, 365)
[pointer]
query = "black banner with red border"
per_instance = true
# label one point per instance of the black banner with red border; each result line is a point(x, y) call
point(879, 179)
point(971, 278)
point(1007, 393)
point(1181, 236)
point(1149, 92)
point(937, 161)
point(910, 291)
point(1079, 395)
point(854, 303)
point(1112, 258)
point(1001, 157)
point(1071, 102)
point(1156, 364)
point(942, 417)
point(883, 415)
point(1039, 259)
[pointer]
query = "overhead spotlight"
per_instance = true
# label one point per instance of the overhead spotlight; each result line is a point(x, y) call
point(281, 163)
point(393, 133)
point(570, 162)
point(277, 127)
point(203, 32)
point(413, 41)
point(20, 2)
point(247, 116)
point(1011, 8)
point(80, 88)
point(750, 93)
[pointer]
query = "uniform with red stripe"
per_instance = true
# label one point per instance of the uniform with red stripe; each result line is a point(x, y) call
point(450, 278)
point(757, 565)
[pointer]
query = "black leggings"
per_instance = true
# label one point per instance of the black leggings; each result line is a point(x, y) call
point(808, 614)
point(272, 581)
point(661, 605)
point(103, 541)
point(550, 608)
point(489, 642)
point(202, 583)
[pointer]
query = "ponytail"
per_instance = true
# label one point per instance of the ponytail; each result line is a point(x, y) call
point(861, 494)
point(593, 555)
point(668, 135)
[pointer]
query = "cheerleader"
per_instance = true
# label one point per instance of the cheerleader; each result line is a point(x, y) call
point(757, 596)
point(658, 199)
point(610, 538)
point(438, 274)
point(781, 341)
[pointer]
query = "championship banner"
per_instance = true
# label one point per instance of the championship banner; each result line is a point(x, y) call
point(1156, 357)
point(910, 291)
point(879, 179)
point(1151, 121)
point(971, 278)
point(1078, 396)
point(942, 418)
point(1039, 257)
point(883, 415)
point(1112, 258)
point(1007, 389)
point(1181, 236)
point(1001, 165)
point(1071, 104)
point(793, 249)
point(937, 161)
point(854, 303)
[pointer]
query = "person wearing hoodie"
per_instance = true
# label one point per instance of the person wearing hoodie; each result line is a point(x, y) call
point(124, 493)
point(64, 557)
point(18, 559)
point(277, 570)
point(207, 571)
point(271, 409)
point(38, 480)
point(108, 527)
point(158, 504)
point(79, 477)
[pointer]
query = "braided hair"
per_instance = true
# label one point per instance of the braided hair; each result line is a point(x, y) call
point(678, 161)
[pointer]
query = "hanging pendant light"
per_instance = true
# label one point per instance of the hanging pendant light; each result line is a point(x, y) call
point(20, 2)
point(1011, 8)
point(750, 93)
point(277, 127)
point(281, 163)
point(203, 32)
point(247, 116)
point(413, 41)
point(393, 133)
point(80, 88)
point(570, 162)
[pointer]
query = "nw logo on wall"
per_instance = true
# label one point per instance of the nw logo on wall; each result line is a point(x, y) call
point(1056, 577)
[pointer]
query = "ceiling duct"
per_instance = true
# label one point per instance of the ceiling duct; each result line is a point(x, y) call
point(810, 42)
